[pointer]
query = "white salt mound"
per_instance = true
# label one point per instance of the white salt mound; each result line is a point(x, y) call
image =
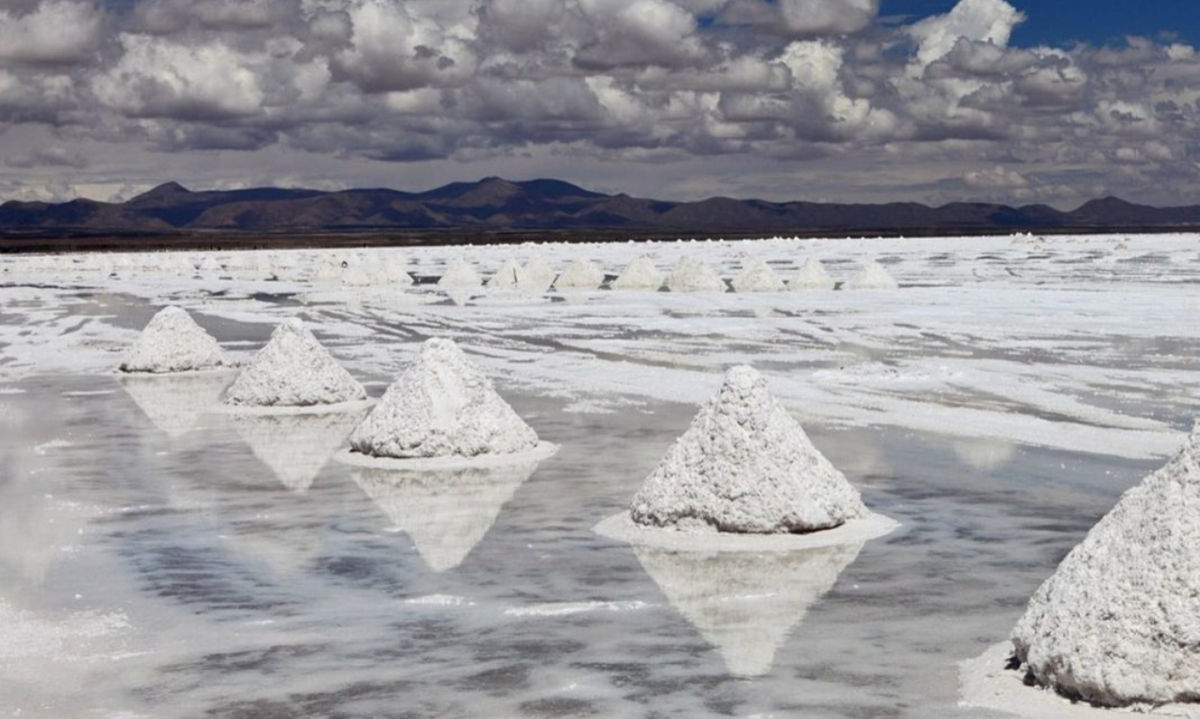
point(871, 277)
point(580, 275)
point(293, 370)
point(537, 275)
point(757, 276)
point(442, 406)
point(694, 276)
point(1119, 621)
point(459, 274)
point(173, 342)
point(744, 465)
point(811, 276)
point(506, 274)
point(640, 274)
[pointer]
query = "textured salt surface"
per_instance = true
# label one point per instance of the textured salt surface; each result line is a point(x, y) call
point(459, 274)
point(441, 405)
point(293, 370)
point(623, 528)
point(640, 274)
point(580, 275)
point(811, 276)
point(1119, 620)
point(757, 276)
point(871, 277)
point(694, 276)
point(173, 342)
point(744, 465)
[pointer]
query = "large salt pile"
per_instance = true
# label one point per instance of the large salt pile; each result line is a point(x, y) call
point(1119, 621)
point(580, 275)
point(745, 466)
point(505, 275)
point(173, 342)
point(694, 276)
point(757, 276)
point(442, 406)
point(293, 370)
point(536, 275)
point(871, 277)
point(811, 276)
point(640, 274)
point(459, 274)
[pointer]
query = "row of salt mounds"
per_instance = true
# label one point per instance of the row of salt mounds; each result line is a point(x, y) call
point(694, 276)
point(293, 370)
point(757, 276)
point(871, 277)
point(1118, 623)
point(811, 276)
point(580, 275)
point(443, 407)
point(173, 342)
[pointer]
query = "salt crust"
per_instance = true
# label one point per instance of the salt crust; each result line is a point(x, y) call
point(744, 465)
point(293, 370)
point(987, 683)
point(580, 275)
point(542, 450)
point(694, 276)
point(441, 405)
point(621, 527)
point(871, 277)
point(1119, 621)
point(811, 276)
point(640, 274)
point(757, 276)
point(173, 342)
point(459, 274)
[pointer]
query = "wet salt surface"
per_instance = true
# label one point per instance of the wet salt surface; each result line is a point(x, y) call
point(192, 580)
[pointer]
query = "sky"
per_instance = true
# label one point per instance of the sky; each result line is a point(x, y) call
point(1017, 101)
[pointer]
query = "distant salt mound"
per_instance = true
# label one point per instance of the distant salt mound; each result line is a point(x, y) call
point(209, 268)
point(293, 370)
point(459, 274)
point(757, 276)
point(356, 276)
point(694, 276)
point(442, 406)
point(505, 275)
point(1119, 621)
point(640, 274)
point(811, 276)
point(173, 342)
point(536, 275)
point(745, 466)
point(871, 277)
point(580, 275)
point(328, 269)
point(390, 271)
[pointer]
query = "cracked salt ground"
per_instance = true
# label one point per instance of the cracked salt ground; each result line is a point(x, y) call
point(207, 586)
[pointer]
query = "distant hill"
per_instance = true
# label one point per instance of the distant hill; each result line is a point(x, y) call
point(495, 204)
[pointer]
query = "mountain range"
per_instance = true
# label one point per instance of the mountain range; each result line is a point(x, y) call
point(496, 204)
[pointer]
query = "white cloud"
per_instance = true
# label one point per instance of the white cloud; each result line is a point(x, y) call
point(989, 21)
point(57, 31)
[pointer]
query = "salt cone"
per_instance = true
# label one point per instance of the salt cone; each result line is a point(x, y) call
point(1119, 621)
point(580, 275)
point(757, 276)
point(173, 342)
point(745, 466)
point(871, 277)
point(442, 406)
point(505, 275)
point(694, 276)
point(811, 276)
point(640, 274)
point(459, 274)
point(746, 604)
point(536, 275)
point(293, 370)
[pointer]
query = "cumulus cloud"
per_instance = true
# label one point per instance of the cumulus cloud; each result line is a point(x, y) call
point(803, 18)
point(54, 32)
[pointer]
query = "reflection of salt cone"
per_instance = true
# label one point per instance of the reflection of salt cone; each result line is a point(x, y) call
point(445, 513)
point(746, 604)
point(174, 403)
point(281, 548)
point(296, 447)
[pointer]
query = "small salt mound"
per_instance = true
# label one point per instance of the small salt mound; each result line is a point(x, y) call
point(506, 275)
point(391, 272)
point(871, 277)
point(355, 276)
point(173, 342)
point(210, 268)
point(293, 370)
point(459, 274)
point(537, 275)
point(442, 406)
point(694, 276)
point(640, 274)
point(811, 276)
point(744, 465)
point(580, 275)
point(1119, 621)
point(757, 276)
point(328, 269)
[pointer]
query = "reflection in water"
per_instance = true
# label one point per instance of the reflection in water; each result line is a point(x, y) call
point(280, 548)
point(174, 403)
point(984, 454)
point(296, 447)
point(445, 513)
point(745, 604)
